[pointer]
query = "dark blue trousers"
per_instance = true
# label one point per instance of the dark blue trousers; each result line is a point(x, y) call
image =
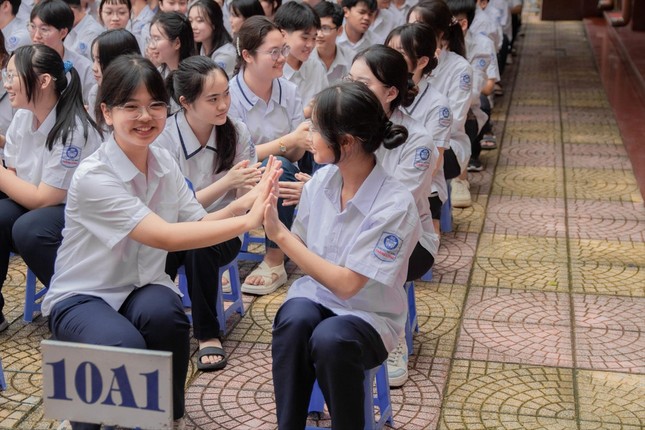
point(309, 342)
point(152, 317)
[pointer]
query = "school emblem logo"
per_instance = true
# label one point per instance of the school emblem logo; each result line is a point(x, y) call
point(252, 149)
point(481, 63)
point(82, 48)
point(12, 43)
point(465, 82)
point(444, 116)
point(422, 158)
point(71, 156)
point(388, 247)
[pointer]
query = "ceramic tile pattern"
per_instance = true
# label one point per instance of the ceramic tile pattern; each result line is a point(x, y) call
point(534, 318)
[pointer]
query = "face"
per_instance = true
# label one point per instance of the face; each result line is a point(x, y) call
point(96, 67)
point(46, 34)
point(162, 49)
point(361, 72)
point(301, 43)
point(236, 21)
point(414, 17)
point(15, 87)
point(138, 133)
point(212, 105)
point(180, 6)
point(326, 36)
point(319, 147)
point(358, 18)
point(115, 16)
point(269, 7)
point(202, 27)
point(395, 43)
point(269, 58)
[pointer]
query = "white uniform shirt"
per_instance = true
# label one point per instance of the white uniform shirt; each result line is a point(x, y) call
point(82, 35)
point(108, 197)
point(311, 78)
point(385, 22)
point(24, 11)
point(484, 24)
point(339, 68)
point(483, 59)
point(401, 14)
point(84, 68)
point(225, 57)
point(412, 164)
point(91, 100)
point(16, 35)
point(453, 77)
point(499, 10)
point(27, 153)
point(354, 48)
point(432, 110)
point(374, 236)
point(6, 115)
point(266, 121)
point(137, 23)
point(197, 162)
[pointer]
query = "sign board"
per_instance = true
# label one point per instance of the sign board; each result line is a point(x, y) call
point(107, 385)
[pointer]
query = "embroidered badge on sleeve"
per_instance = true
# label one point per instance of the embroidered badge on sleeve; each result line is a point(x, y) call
point(388, 247)
point(422, 158)
point(71, 156)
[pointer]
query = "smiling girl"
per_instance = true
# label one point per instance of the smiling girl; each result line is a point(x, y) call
point(211, 37)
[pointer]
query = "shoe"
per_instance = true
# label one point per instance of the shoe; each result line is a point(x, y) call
point(475, 165)
point(498, 90)
point(489, 141)
point(460, 194)
point(211, 350)
point(179, 424)
point(397, 364)
point(270, 285)
point(509, 60)
point(226, 287)
point(4, 324)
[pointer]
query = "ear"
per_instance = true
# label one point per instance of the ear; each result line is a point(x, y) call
point(183, 102)
point(107, 114)
point(422, 62)
point(45, 80)
point(176, 44)
point(246, 56)
point(345, 11)
point(463, 23)
point(392, 93)
point(63, 33)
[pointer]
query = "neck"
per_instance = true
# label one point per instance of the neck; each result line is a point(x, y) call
point(260, 87)
point(416, 77)
point(293, 62)
point(45, 105)
point(173, 64)
point(137, 6)
point(201, 129)
point(327, 54)
point(61, 50)
point(398, 3)
point(5, 20)
point(78, 16)
point(352, 35)
point(354, 172)
point(208, 46)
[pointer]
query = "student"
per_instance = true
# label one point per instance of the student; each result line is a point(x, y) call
point(358, 18)
point(179, 6)
point(355, 230)
point(452, 77)
point(85, 29)
point(140, 17)
point(385, 72)
point(417, 43)
point(484, 24)
point(48, 137)
point(171, 40)
point(128, 206)
point(300, 24)
point(210, 36)
point(271, 108)
point(13, 29)
point(383, 22)
point(240, 11)
point(51, 22)
point(106, 48)
point(335, 58)
point(401, 9)
point(115, 14)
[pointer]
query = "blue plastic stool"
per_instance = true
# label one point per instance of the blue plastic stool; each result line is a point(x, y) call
point(3, 383)
point(382, 399)
point(244, 250)
point(31, 296)
point(445, 223)
point(235, 296)
point(411, 323)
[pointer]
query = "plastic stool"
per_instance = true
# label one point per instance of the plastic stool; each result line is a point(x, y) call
point(3, 383)
point(428, 276)
point(235, 296)
point(411, 323)
point(445, 223)
point(31, 296)
point(244, 250)
point(382, 399)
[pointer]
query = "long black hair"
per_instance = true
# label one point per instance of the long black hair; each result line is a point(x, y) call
point(188, 82)
point(437, 15)
point(417, 40)
point(113, 43)
point(35, 60)
point(177, 26)
point(211, 11)
point(251, 36)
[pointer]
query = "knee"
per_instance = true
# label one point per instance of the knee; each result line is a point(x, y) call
point(165, 315)
point(296, 317)
point(289, 170)
point(331, 341)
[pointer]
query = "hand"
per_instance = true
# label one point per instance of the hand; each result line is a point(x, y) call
point(291, 192)
point(300, 136)
point(309, 109)
point(272, 224)
point(264, 189)
point(243, 176)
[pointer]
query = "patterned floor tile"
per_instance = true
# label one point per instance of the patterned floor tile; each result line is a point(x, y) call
point(470, 219)
point(602, 349)
point(535, 154)
point(455, 419)
point(606, 220)
point(598, 184)
point(520, 274)
point(455, 258)
point(525, 216)
point(543, 249)
point(528, 181)
point(608, 278)
point(605, 252)
point(603, 159)
point(258, 320)
point(609, 313)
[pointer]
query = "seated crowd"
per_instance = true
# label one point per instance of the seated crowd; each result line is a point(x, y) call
point(138, 137)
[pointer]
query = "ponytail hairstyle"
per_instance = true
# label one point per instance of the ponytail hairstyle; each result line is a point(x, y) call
point(122, 78)
point(463, 7)
point(177, 26)
point(417, 40)
point(437, 15)
point(351, 108)
point(391, 69)
point(188, 82)
point(251, 36)
point(112, 43)
point(35, 60)
point(211, 12)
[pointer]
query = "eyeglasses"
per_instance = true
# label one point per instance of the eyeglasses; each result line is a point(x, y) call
point(44, 30)
point(277, 52)
point(156, 110)
point(326, 30)
point(7, 76)
point(153, 41)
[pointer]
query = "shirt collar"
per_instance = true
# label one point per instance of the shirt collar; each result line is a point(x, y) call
point(122, 165)
point(187, 139)
point(249, 96)
point(367, 193)
point(47, 124)
point(423, 86)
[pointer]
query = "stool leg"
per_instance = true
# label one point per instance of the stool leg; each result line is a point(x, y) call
point(31, 295)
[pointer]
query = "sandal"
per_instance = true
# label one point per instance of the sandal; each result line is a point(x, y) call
point(225, 283)
point(489, 142)
point(211, 350)
point(266, 273)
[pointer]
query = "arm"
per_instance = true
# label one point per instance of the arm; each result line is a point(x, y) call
point(240, 176)
point(295, 142)
point(29, 195)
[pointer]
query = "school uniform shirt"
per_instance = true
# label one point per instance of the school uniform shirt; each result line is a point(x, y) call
point(453, 77)
point(82, 35)
point(401, 14)
point(141, 21)
point(481, 54)
point(310, 79)
point(27, 153)
point(339, 67)
point(484, 24)
point(499, 10)
point(266, 121)
point(24, 11)
point(374, 235)
point(107, 199)
point(84, 68)
point(412, 164)
point(354, 48)
point(385, 21)
point(91, 101)
point(197, 162)
point(16, 35)
point(6, 115)
point(225, 57)
point(432, 110)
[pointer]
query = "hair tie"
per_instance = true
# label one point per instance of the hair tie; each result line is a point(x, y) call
point(237, 46)
point(454, 21)
point(67, 66)
point(388, 127)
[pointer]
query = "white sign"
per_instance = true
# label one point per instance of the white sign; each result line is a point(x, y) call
point(107, 385)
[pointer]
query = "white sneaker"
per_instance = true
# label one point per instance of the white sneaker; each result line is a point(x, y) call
point(179, 424)
point(397, 364)
point(460, 194)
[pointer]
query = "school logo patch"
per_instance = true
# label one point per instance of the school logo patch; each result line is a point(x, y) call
point(465, 82)
point(388, 247)
point(422, 158)
point(221, 64)
point(71, 156)
point(481, 63)
point(444, 116)
point(12, 43)
point(251, 149)
point(82, 48)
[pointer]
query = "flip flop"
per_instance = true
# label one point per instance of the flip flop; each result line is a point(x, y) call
point(489, 142)
point(211, 350)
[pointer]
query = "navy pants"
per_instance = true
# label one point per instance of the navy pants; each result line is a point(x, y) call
point(152, 317)
point(285, 213)
point(309, 342)
point(34, 234)
point(202, 276)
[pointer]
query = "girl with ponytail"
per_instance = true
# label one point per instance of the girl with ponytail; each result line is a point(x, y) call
point(48, 137)
point(352, 237)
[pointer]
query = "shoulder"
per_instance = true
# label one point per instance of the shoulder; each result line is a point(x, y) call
point(288, 88)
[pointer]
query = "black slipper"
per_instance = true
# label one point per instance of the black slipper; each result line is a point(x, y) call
point(211, 350)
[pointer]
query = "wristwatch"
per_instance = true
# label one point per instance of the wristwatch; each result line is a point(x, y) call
point(283, 147)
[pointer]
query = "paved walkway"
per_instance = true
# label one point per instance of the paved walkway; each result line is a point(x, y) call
point(535, 317)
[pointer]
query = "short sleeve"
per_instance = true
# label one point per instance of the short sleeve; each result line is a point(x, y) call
point(245, 146)
point(441, 119)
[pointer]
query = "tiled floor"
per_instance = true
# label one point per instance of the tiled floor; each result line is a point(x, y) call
point(534, 319)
